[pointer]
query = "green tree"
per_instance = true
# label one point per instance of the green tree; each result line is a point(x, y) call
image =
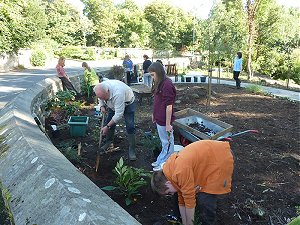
point(22, 22)
point(133, 29)
point(168, 24)
point(64, 24)
point(252, 7)
point(104, 17)
point(224, 33)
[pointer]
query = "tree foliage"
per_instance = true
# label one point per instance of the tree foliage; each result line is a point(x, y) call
point(103, 14)
point(64, 24)
point(169, 26)
point(133, 28)
point(21, 23)
point(266, 33)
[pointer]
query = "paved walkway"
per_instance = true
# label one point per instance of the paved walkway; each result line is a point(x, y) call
point(293, 95)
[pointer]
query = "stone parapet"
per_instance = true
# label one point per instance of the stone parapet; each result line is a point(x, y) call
point(45, 187)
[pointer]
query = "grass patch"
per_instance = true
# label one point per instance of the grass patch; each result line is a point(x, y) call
point(6, 217)
point(256, 89)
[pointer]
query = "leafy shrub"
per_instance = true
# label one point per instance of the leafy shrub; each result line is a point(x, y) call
point(152, 142)
point(116, 72)
point(256, 89)
point(38, 58)
point(76, 52)
point(69, 150)
point(73, 52)
point(64, 100)
point(128, 181)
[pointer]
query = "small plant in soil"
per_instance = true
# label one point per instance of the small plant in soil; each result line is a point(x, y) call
point(152, 142)
point(64, 100)
point(69, 150)
point(128, 181)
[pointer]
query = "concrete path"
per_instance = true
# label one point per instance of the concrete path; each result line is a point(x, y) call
point(293, 95)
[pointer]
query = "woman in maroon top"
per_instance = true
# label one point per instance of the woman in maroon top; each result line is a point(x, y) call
point(164, 93)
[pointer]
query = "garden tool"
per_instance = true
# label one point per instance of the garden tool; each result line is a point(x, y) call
point(100, 140)
point(169, 142)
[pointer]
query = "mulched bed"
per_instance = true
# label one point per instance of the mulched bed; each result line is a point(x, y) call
point(266, 175)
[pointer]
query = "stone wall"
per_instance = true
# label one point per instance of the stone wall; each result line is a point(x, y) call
point(45, 187)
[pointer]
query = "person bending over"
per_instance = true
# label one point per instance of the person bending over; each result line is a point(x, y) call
point(198, 173)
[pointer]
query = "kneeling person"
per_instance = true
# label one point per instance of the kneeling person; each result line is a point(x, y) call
point(202, 171)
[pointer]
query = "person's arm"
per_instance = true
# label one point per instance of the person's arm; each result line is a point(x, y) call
point(169, 111)
point(187, 215)
point(241, 65)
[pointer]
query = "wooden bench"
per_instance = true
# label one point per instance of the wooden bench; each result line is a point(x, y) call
point(142, 91)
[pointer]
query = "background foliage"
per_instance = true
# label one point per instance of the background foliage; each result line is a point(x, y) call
point(273, 49)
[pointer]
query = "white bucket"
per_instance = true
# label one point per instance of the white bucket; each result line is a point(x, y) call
point(178, 148)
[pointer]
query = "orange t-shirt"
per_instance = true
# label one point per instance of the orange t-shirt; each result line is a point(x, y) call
point(206, 163)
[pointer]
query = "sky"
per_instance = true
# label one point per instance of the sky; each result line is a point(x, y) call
point(199, 8)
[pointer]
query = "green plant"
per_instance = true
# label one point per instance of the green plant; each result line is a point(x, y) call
point(38, 58)
point(152, 142)
point(116, 72)
point(128, 181)
point(256, 89)
point(295, 221)
point(5, 212)
point(69, 150)
point(64, 100)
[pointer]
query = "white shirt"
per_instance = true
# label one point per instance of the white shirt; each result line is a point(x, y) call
point(120, 95)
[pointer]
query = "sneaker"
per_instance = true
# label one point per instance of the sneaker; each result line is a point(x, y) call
point(157, 168)
point(154, 164)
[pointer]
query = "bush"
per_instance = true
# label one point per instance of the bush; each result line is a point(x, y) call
point(116, 72)
point(76, 52)
point(38, 58)
point(128, 181)
point(256, 89)
point(73, 52)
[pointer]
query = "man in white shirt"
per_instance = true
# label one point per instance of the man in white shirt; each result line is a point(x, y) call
point(117, 99)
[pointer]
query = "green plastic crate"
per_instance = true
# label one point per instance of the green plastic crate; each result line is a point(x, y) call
point(78, 125)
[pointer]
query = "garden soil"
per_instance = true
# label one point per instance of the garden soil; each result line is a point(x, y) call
point(266, 184)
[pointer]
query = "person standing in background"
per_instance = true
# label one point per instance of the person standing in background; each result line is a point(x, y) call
point(91, 80)
point(61, 73)
point(237, 68)
point(147, 77)
point(163, 111)
point(128, 67)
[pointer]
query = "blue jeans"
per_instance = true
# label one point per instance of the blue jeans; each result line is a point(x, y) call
point(147, 79)
point(128, 115)
point(165, 152)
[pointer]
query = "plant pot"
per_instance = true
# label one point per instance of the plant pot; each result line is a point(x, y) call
point(188, 79)
point(78, 125)
point(203, 79)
